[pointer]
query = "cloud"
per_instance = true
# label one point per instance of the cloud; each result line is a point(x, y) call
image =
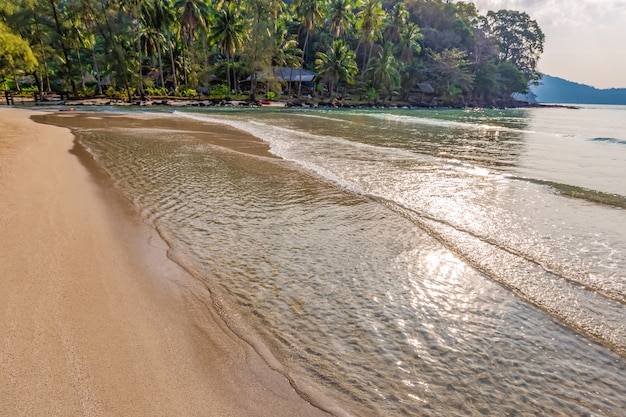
point(557, 13)
point(583, 37)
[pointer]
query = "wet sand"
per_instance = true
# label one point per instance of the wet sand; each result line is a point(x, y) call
point(94, 318)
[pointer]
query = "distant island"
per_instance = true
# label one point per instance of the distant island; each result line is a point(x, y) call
point(558, 90)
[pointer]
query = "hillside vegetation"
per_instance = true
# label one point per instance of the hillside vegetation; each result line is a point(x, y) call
point(427, 50)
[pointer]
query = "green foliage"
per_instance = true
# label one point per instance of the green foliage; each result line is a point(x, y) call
point(16, 57)
point(371, 94)
point(186, 92)
point(120, 94)
point(338, 66)
point(385, 71)
point(270, 95)
point(157, 91)
point(191, 42)
point(28, 91)
point(519, 38)
point(449, 73)
point(221, 91)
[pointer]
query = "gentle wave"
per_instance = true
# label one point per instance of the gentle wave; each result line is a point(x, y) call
point(399, 299)
point(441, 122)
point(573, 191)
point(610, 140)
point(599, 315)
point(581, 305)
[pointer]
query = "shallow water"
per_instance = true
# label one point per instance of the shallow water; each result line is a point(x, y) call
point(409, 262)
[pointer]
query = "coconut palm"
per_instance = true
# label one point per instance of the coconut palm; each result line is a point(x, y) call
point(384, 71)
point(408, 42)
point(338, 66)
point(228, 32)
point(370, 19)
point(286, 52)
point(395, 22)
point(193, 15)
point(310, 13)
point(339, 14)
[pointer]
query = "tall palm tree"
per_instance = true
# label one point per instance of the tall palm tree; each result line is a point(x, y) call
point(384, 71)
point(193, 15)
point(154, 18)
point(408, 42)
point(286, 52)
point(228, 32)
point(310, 13)
point(370, 19)
point(338, 66)
point(339, 14)
point(395, 22)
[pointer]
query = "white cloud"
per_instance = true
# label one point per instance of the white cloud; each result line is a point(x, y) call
point(555, 13)
point(584, 38)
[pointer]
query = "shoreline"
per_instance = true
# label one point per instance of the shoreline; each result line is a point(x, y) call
point(96, 318)
point(177, 102)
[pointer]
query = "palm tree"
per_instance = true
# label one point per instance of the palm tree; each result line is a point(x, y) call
point(339, 14)
point(309, 12)
point(395, 22)
point(338, 66)
point(286, 52)
point(370, 19)
point(229, 33)
point(408, 42)
point(193, 14)
point(384, 71)
point(154, 18)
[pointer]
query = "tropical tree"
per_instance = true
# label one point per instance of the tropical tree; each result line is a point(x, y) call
point(286, 52)
point(16, 57)
point(385, 72)
point(519, 38)
point(409, 42)
point(310, 13)
point(370, 20)
point(339, 15)
point(449, 72)
point(338, 66)
point(229, 33)
point(395, 22)
point(193, 15)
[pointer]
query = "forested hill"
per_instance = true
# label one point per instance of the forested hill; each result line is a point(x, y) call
point(558, 90)
point(435, 52)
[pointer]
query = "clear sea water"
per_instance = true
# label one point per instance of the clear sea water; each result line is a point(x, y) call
point(404, 262)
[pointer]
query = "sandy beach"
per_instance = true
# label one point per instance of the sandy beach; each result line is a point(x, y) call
point(94, 318)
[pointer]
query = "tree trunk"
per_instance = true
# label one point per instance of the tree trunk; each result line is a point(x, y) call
point(95, 67)
point(306, 42)
point(63, 47)
point(171, 45)
point(17, 85)
point(228, 74)
point(45, 60)
point(82, 71)
point(160, 64)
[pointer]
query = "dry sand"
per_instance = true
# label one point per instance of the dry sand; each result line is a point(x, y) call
point(94, 319)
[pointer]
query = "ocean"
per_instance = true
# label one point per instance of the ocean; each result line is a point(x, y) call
point(430, 262)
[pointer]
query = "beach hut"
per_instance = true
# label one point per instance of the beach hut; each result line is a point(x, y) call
point(425, 91)
point(290, 77)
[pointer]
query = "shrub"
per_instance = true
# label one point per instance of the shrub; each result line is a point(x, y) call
point(221, 91)
point(186, 92)
point(156, 91)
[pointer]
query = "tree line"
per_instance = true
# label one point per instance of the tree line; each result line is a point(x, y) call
point(374, 49)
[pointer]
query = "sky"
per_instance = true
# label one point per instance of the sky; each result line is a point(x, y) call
point(585, 39)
